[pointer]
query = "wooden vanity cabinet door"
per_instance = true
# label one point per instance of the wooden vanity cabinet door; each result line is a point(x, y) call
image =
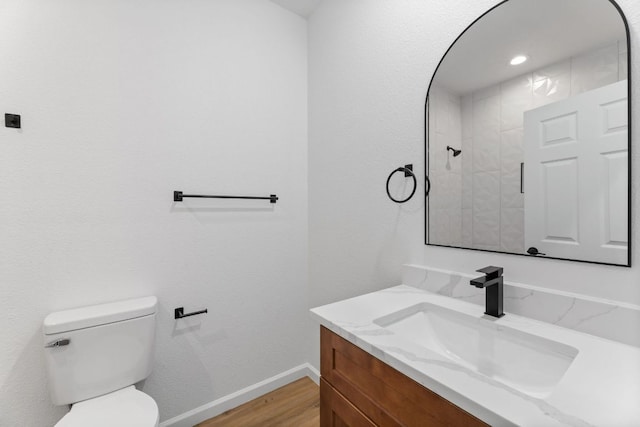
point(336, 411)
point(382, 394)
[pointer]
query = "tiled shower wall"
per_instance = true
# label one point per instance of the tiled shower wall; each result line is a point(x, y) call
point(475, 200)
point(445, 171)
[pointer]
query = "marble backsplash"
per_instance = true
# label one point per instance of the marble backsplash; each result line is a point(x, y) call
point(607, 319)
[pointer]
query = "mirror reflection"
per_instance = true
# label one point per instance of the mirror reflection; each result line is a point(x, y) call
point(527, 149)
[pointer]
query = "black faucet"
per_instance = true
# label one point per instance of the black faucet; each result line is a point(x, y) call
point(492, 280)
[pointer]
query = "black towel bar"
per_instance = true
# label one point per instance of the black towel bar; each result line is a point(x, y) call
point(178, 196)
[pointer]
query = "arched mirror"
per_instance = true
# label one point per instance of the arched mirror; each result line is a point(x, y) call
point(528, 134)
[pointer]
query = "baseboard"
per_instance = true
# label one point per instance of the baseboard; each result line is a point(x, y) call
point(218, 406)
point(313, 373)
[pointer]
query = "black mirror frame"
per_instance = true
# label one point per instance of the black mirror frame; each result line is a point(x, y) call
point(629, 155)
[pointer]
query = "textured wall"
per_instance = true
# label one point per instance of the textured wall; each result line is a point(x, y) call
point(370, 65)
point(123, 102)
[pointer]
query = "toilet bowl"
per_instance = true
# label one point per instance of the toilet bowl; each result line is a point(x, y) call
point(94, 356)
point(123, 408)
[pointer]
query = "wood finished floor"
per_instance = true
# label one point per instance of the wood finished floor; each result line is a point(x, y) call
point(294, 405)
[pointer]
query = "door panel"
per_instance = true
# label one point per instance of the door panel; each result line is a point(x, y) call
point(576, 176)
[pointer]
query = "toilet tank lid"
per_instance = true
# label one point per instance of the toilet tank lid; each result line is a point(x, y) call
point(96, 315)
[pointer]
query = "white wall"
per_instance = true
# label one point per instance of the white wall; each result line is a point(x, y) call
point(370, 64)
point(122, 103)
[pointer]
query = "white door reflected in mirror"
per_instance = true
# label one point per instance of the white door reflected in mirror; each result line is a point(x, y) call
point(575, 149)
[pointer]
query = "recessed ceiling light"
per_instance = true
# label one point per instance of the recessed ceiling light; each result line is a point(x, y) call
point(517, 60)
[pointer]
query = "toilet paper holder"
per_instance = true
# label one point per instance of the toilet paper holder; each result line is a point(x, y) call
point(179, 313)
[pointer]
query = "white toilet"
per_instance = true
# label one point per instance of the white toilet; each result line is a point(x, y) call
point(94, 355)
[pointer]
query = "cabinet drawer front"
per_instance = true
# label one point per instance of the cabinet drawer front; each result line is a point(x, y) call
point(336, 411)
point(386, 396)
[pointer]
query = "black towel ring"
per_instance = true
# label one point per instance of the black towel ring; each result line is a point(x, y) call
point(407, 172)
point(427, 183)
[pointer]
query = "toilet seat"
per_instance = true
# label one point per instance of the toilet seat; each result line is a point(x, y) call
point(127, 407)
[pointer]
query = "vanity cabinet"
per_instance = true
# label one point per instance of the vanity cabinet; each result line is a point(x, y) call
point(356, 389)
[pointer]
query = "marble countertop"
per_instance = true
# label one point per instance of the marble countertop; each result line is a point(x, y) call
point(601, 387)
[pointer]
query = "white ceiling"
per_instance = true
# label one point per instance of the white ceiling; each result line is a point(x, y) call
point(303, 8)
point(545, 30)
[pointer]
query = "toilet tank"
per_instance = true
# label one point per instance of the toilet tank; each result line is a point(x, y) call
point(110, 346)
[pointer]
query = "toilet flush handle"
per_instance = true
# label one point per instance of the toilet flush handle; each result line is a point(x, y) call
point(58, 343)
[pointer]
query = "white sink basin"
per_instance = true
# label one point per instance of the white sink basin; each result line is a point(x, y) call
point(525, 362)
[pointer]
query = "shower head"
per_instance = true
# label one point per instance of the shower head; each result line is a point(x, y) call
point(456, 153)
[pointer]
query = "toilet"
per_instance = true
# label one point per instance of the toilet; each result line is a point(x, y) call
point(94, 355)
